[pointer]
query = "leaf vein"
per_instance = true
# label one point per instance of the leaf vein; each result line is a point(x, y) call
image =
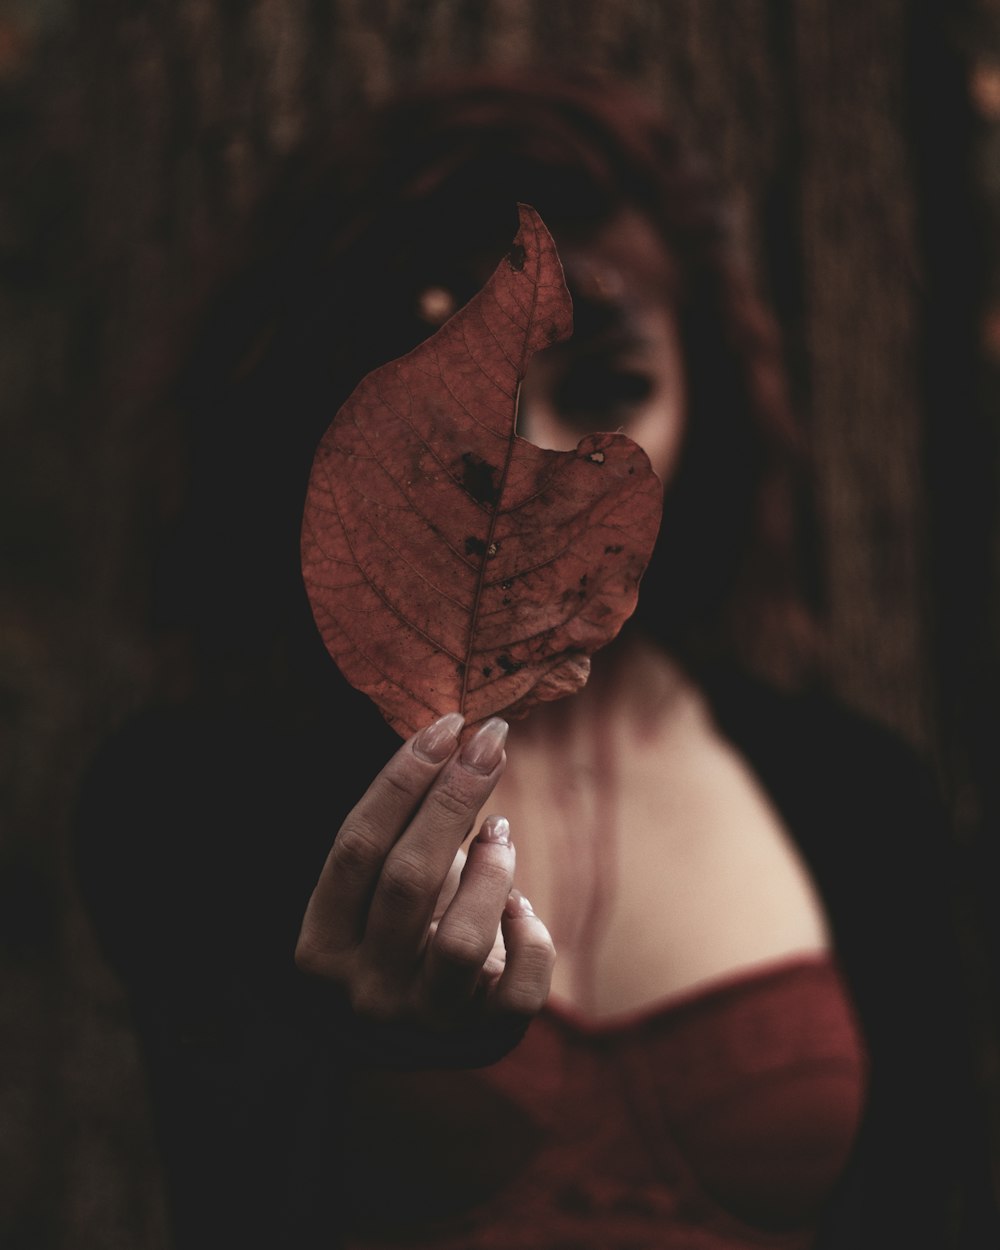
point(503, 351)
point(373, 585)
point(412, 694)
point(402, 490)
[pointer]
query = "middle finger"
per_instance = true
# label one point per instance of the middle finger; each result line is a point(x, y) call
point(418, 864)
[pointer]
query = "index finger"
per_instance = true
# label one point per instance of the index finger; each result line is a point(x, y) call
point(337, 910)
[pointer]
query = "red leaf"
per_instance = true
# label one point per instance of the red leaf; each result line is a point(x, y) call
point(450, 563)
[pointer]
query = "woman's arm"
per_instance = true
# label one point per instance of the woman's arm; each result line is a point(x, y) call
point(199, 839)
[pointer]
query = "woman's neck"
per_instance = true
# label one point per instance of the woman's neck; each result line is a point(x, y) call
point(634, 686)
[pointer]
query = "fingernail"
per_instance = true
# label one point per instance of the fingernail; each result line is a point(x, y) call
point(483, 750)
point(517, 905)
point(436, 741)
point(495, 829)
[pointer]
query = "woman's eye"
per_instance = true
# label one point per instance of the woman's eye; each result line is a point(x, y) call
point(588, 395)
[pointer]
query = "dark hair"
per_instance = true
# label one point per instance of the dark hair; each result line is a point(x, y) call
point(420, 193)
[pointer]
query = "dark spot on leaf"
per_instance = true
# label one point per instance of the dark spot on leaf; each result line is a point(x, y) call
point(583, 579)
point(474, 546)
point(516, 258)
point(487, 671)
point(631, 470)
point(505, 600)
point(479, 478)
point(613, 551)
point(507, 664)
point(460, 666)
point(597, 457)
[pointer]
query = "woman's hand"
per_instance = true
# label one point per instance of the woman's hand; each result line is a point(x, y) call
point(411, 933)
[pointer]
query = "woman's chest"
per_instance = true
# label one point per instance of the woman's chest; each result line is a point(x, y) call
point(658, 864)
point(721, 1122)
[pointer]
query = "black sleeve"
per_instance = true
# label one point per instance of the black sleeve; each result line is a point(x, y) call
point(871, 824)
point(194, 855)
point(199, 840)
point(922, 1169)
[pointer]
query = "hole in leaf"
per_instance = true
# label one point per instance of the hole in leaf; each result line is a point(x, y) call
point(516, 257)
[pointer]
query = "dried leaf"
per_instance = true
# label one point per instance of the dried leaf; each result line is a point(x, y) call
point(451, 564)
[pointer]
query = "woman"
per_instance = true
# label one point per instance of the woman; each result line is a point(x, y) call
point(753, 1033)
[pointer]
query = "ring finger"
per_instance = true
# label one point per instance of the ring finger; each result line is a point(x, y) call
point(468, 929)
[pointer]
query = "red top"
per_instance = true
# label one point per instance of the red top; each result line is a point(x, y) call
point(716, 1121)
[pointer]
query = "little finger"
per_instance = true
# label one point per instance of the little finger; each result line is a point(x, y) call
point(523, 987)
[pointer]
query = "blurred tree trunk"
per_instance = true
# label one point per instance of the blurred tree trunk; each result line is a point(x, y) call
point(139, 137)
point(954, 95)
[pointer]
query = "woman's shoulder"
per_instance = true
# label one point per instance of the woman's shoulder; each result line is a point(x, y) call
point(818, 754)
point(803, 720)
point(864, 808)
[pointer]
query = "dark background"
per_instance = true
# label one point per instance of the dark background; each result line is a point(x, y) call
point(861, 139)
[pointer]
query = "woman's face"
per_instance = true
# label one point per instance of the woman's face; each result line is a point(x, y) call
point(622, 369)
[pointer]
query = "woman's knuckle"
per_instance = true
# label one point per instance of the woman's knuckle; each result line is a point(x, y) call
point(314, 959)
point(403, 784)
point(356, 848)
point(539, 953)
point(461, 947)
point(522, 999)
point(453, 801)
point(404, 881)
point(496, 874)
point(310, 958)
